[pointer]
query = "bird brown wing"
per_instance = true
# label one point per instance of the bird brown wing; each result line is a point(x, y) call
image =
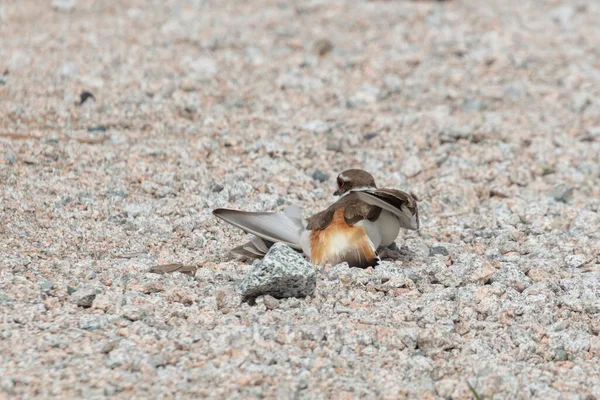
point(355, 210)
point(399, 203)
point(320, 220)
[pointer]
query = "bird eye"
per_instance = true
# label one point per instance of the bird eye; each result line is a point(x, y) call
point(340, 182)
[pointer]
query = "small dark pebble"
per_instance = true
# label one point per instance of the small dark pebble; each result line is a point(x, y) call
point(51, 141)
point(323, 46)
point(438, 250)
point(84, 96)
point(99, 128)
point(320, 176)
point(370, 136)
point(71, 289)
point(495, 193)
point(217, 188)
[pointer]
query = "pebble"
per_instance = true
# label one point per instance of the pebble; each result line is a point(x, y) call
point(438, 250)
point(412, 166)
point(84, 297)
point(270, 302)
point(133, 313)
point(46, 286)
point(454, 133)
point(563, 192)
point(92, 322)
point(323, 46)
point(282, 273)
point(320, 176)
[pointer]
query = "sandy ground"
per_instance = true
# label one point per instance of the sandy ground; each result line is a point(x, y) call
point(488, 111)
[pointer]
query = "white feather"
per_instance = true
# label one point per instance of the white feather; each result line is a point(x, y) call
point(274, 227)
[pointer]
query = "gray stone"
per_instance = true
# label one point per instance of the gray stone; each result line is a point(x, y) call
point(454, 133)
point(563, 192)
point(282, 273)
point(438, 250)
point(412, 166)
point(133, 313)
point(320, 176)
point(46, 285)
point(92, 322)
point(575, 260)
point(109, 346)
point(84, 297)
point(511, 276)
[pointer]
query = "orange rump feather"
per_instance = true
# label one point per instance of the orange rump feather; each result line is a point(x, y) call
point(340, 242)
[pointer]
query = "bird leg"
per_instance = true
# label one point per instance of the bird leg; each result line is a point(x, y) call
point(392, 251)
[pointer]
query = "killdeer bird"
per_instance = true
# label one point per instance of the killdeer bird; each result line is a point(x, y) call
point(358, 228)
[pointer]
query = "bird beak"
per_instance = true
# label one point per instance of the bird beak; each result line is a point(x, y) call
point(337, 193)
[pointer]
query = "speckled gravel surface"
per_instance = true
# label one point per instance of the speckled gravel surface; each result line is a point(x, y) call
point(488, 112)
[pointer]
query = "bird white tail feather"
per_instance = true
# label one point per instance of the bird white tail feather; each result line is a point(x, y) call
point(273, 227)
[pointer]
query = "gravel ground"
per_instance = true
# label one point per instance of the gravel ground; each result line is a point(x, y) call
point(488, 112)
